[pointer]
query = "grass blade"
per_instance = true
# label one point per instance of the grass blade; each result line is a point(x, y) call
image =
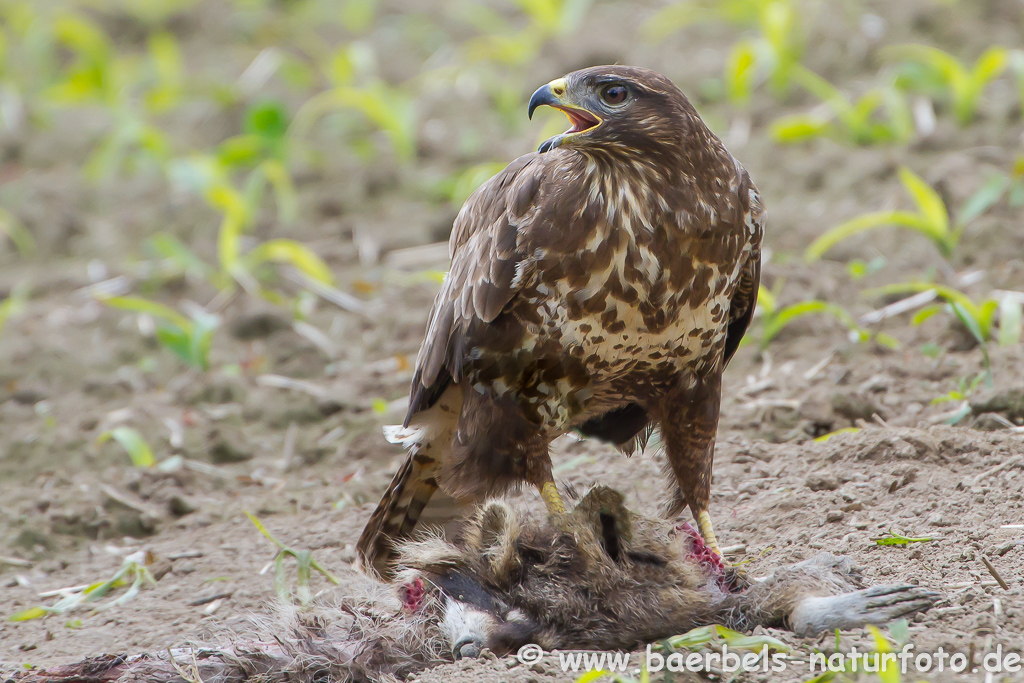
point(864, 223)
point(982, 200)
point(139, 305)
point(132, 442)
point(927, 199)
point(293, 253)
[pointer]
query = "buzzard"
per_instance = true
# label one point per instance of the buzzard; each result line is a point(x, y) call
point(599, 285)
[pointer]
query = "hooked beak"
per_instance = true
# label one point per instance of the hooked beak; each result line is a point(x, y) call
point(553, 95)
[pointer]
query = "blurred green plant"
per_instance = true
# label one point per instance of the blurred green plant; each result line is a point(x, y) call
point(124, 86)
point(965, 386)
point(992, 319)
point(353, 87)
point(929, 69)
point(132, 442)
point(930, 220)
point(502, 43)
point(189, 340)
point(776, 318)
point(234, 180)
point(880, 115)
point(772, 55)
point(998, 186)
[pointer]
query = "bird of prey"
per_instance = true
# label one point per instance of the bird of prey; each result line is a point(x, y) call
point(599, 285)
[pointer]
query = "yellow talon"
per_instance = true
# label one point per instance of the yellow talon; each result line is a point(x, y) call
point(708, 532)
point(552, 500)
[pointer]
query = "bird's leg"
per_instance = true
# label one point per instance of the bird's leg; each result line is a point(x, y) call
point(538, 472)
point(552, 499)
point(688, 430)
point(707, 531)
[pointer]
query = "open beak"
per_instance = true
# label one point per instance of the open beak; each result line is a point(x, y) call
point(553, 95)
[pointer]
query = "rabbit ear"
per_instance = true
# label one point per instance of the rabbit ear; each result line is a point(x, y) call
point(603, 510)
point(492, 536)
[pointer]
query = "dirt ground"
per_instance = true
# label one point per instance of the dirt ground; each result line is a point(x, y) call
point(307, 457)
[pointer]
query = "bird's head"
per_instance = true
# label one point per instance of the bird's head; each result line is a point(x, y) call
point(617, 107)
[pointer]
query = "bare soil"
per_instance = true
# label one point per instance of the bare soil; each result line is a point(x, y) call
point(310, 462)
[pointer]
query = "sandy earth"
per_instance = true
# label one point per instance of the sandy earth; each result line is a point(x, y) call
point(309, 460)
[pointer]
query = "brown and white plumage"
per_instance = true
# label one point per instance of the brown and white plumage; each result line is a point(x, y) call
point(600, 285)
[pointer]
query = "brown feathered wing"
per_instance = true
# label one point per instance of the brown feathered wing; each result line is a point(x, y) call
point(489, 265)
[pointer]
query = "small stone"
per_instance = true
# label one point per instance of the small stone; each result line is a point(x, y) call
point(834, 516)
point(855, 406)
point(538, 668)
point(820, 481)
point(1007, 547)
point(28, 396)
point(216, 389)
point(937, 519)
point(228, 448)
point(258, 325)
point(855, 506)
point(161, 568)
point(180, 506)
point(31, 539)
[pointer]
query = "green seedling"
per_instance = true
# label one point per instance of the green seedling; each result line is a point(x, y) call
point(132, 442)
point(773, 54)
point(929, 68)
point(931, 220)
point(306, 565)
point(679, 15)
point(999, 185)
point(133, 573)
point(518, 47)
point(893, 538)
point(776, 318)
point(238, 208)
point(190, 340)
point(965, 387)
point(881, 115)
point(121, 86)
point(390, 109)
point(992, 319)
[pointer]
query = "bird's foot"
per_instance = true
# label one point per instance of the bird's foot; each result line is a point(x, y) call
point(707, 551)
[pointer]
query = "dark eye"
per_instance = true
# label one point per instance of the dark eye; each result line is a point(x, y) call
point(614, 94)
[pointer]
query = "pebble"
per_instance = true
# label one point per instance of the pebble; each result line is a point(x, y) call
point(819, 481)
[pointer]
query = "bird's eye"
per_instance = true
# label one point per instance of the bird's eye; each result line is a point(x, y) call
point(614, 94)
